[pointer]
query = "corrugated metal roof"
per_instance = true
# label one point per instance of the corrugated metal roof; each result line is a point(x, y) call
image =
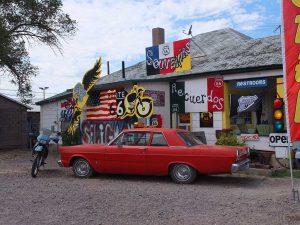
point(222, 50)
point(216, 52)
point(15, 101)
point(63, 95)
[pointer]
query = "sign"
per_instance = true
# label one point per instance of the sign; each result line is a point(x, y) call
point(278, 140)
point(177, 90)
point(81, 92)
point(168, 58)
point(249, 103)
point(291, 55)
point(206, 119)
point(157, 96)
point(106, 109)
point(136, 104)
point(249, 137)
point(201, 95)
point(252, 83)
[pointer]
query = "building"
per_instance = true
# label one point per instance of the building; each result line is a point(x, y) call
point(56, 111)
point(13, 128)
point(246, 68)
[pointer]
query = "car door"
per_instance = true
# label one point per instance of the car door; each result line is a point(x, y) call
point(157, 155)
point(127, 154)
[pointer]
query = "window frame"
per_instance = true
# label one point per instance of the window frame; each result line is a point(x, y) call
point(164, 137)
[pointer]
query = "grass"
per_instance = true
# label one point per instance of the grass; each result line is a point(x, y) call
point(286, 173)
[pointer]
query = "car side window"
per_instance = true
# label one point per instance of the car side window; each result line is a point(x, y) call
point(118, 141)
point(158, 140)
point(136, 138)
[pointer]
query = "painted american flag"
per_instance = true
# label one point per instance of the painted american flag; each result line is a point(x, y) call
point(106, 107)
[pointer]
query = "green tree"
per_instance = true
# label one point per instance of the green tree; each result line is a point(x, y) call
point(25, 22)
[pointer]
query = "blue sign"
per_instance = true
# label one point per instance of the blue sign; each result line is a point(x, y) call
point(253, 83)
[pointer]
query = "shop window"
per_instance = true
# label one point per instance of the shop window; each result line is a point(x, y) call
point(242, 118)
point(243, 123)
point(206, 119)
point(184, 121)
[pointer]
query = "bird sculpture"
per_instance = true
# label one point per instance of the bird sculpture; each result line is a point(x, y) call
point(81, 93)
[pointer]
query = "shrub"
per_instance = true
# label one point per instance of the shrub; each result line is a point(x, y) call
point(69, 139)
point(230, 139)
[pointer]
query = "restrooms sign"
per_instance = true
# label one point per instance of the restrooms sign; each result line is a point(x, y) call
point(168, 58)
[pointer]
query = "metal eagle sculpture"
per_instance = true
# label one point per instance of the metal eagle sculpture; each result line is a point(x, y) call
point(81, 93)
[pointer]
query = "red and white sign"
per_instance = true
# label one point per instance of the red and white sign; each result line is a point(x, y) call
point(249, 137)
point(215, 94)
point(204, 95)
point(291, 52)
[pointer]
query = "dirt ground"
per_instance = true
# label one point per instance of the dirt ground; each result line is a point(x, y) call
point(57, 197)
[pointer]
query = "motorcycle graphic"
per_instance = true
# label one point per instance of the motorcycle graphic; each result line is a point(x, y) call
point(135, 103)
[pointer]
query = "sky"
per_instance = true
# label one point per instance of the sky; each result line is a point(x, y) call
point(120, 30)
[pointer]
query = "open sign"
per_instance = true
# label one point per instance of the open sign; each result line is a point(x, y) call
point(278, 140)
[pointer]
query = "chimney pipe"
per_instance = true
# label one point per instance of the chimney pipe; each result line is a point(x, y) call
point(123, 69)
point(108, 68)
point(158, 36)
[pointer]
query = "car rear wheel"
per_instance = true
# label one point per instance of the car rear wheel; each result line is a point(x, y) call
point(82, 168)
point(183, 174)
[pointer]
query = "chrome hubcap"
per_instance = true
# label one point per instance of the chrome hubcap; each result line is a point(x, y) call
point(82, 168)
point(182, 172)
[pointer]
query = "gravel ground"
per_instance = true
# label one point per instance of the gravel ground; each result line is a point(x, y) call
point(57, 197)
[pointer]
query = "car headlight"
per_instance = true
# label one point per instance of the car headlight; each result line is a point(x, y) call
point(38, 148)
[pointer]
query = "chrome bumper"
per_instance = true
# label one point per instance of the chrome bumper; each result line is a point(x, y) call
point(240, 166)
point(60, 163)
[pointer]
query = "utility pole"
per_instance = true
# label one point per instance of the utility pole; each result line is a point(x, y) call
point(44, 89)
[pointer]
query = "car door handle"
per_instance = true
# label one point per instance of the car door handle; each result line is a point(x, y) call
point(144, 149)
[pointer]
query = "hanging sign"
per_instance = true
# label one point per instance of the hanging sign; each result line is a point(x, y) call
point(278, 140)
point(252, 83)
point(168, 58)
point(201, 95)
point(291, 52)
point(247, 103)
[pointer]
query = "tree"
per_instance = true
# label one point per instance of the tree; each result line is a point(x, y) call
point(22, 23)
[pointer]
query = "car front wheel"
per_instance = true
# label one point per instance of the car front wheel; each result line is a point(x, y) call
point(183, 174)
point(82, 168)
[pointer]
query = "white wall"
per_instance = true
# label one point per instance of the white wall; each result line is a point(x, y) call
point(164, 111)
point(50, 115)
point(210, 133)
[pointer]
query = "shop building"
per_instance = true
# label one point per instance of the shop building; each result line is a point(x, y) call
point(56, 111)
point(230, 85)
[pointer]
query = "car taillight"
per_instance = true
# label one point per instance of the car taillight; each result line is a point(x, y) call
point(242, 153)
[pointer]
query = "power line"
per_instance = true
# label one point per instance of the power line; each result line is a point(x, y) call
point(37, 92)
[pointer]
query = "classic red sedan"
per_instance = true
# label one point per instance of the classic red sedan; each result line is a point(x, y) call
point(155, 151)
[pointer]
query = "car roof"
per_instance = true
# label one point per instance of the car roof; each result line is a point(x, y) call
point(148, 129)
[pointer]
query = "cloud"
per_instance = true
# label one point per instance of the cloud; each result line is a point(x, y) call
point(121, 30)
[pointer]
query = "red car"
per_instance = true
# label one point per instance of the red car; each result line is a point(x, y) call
point(155, 151)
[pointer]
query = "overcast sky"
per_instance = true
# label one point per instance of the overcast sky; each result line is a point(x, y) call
point(120, 30)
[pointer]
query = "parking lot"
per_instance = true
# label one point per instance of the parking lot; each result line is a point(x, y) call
point(57, 197)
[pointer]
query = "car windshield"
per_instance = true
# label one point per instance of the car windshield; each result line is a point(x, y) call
point(189, 138)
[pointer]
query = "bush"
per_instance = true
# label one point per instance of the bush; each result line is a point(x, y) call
point(69, 139)
point(230, 139)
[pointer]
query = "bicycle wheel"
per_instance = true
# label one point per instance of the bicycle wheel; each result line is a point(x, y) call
point(35, 165)
point(144, 108)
